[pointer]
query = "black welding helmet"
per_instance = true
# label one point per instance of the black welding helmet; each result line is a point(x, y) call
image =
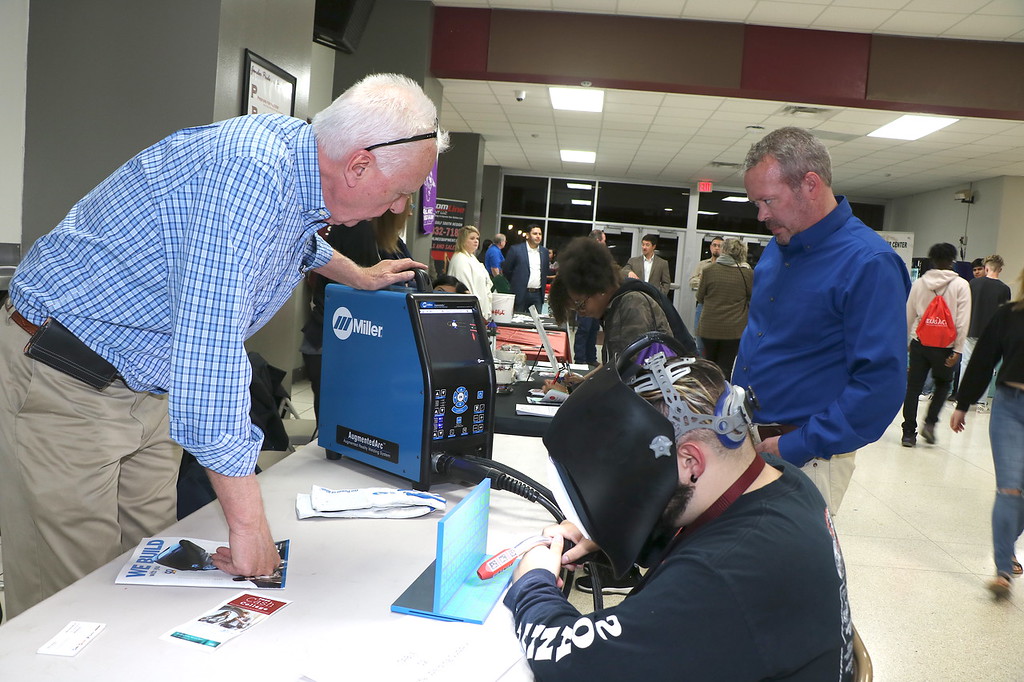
point(613, 454)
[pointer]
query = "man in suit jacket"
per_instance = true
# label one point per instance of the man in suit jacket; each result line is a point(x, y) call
point(649, 267)
point(526, 267)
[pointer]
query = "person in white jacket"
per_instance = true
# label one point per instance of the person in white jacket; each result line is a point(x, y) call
point(465, 267)
point(942, 280)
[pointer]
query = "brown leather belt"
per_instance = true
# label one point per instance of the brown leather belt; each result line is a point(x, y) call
point(30, 328)
point(766, 431)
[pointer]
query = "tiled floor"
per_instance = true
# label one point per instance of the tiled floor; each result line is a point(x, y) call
point(916, 534)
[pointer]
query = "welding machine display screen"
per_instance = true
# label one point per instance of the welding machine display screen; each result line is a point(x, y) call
point(457, 353)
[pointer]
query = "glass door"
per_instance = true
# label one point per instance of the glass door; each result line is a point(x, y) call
point(625, 243)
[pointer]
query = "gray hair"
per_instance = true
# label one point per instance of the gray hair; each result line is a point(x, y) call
point(798, 153)
point(735, 249)
point(499, 239)
point(379, 108)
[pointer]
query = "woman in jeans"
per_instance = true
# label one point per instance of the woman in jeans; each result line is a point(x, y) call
point(1002, 340)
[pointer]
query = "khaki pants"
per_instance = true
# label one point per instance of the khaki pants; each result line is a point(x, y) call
point(84, 474)
point(831, 477)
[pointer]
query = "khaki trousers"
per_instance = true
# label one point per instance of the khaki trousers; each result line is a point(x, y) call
point(831, 477)
point(84, 474)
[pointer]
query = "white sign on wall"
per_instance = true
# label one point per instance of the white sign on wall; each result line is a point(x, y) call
point(902, 243)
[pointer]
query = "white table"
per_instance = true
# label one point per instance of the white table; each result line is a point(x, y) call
point(343, 575)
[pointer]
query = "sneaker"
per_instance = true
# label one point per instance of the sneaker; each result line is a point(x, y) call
point(925, 396)
point(908, 441)
point(609, 585)
point(983, 408)
point(928, 433)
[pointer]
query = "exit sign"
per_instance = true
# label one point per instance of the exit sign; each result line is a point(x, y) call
point(704, 186)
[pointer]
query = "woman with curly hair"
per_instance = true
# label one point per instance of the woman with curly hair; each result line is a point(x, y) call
point(590, 283)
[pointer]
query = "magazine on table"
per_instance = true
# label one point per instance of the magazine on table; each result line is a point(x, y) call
point(187, 562)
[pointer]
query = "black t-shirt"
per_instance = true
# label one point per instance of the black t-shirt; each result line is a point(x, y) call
point(758, 593)
point(987, 294)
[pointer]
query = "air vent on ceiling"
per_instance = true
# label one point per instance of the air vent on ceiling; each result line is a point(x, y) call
point(724, 164)
point(801, 111)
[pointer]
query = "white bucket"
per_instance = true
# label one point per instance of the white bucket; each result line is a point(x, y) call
point(501, 307)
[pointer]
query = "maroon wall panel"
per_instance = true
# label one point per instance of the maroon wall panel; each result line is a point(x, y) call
point(805, 65)
point(461, 37)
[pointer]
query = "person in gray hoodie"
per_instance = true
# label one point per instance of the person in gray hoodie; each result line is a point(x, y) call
point(940, 280)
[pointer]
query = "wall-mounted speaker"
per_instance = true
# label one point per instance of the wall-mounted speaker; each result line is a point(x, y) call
point(339, 24)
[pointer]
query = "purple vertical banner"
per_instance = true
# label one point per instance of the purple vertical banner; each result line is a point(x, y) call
point(428, 203)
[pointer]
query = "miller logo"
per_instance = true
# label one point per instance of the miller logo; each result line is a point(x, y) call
point(344, 324)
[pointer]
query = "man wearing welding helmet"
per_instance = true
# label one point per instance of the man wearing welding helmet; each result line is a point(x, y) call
point(745, 577)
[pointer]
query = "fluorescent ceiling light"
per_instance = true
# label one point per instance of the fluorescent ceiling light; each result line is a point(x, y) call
point(669, 210)
point(581, 202)
point(912, 127)
point(707, 212)
point(735, 199)
point(578, 156)
point(577, 99)
point(577, 185)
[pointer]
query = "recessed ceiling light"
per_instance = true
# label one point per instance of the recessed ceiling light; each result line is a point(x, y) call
point(577, 99)
point(579, 185)
point(578, 156)
point(912, 127)
point(735, 199)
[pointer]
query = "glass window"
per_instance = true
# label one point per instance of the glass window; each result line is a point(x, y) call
point(728, 212)
point(561, 233)
point(619, 202)
point(572, 199)
point(524, 195)
point(515, 228)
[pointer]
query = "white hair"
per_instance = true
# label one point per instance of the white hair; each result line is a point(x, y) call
point(379, 108)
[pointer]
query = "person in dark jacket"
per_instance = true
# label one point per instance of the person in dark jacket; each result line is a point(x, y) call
point(527, 269)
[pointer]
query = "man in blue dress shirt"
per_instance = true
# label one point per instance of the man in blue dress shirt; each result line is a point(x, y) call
point(157, 277)
point(825, 347)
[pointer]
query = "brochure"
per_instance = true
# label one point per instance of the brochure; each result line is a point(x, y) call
point(222, 624)
point(186, 562)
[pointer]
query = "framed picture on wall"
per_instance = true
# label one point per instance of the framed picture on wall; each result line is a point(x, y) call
point(267, 89)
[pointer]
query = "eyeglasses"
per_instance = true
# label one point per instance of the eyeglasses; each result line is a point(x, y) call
point(415, 138)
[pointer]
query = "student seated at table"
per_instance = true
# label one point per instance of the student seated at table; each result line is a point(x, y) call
point(590, 284)
point(745, 576)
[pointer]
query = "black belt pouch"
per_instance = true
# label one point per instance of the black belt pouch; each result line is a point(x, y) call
point(55, 346)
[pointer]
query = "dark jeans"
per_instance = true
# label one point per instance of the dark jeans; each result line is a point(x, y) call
point(524, 301)
point(722, 352)
point(584, 350)
point(922, 359)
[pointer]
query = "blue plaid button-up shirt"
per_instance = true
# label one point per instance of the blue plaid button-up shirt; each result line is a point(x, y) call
point(168, 265)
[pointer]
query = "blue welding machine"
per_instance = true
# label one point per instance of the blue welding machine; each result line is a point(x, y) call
point(406, 376)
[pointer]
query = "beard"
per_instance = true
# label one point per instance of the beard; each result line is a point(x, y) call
point(677, 504)
point(663, 532)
